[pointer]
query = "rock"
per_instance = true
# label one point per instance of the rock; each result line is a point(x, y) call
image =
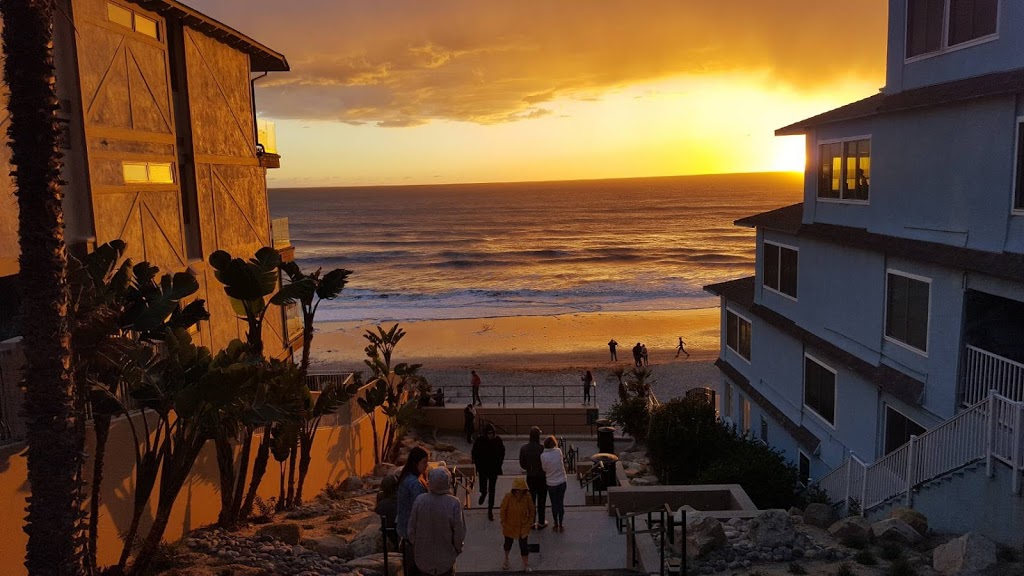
point(287, 532)
point(893, 530)
point(794, 511)
point(332, 545)
point(819, 515)
point(352, 483)
point(916, 520)
point(964, 556)
point(852, 528)
point(444, 447)
point(368, 541)
point(375, 562)
point(631, 472)
point(703, 534)
point(772, 528)
point(384, 469)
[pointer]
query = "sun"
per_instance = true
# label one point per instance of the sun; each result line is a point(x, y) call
point(790, 155)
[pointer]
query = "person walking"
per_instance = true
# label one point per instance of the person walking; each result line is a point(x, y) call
point(588, 381)
point(554, 476)
point(517, 514)
point(475, 382)
point(681, 348)
point(637, 351)
point(611, 348)
point(643, 353)
point(411, 484)
point(437, 527)
point(469, 421)
point(488, 456)
point(529, 461)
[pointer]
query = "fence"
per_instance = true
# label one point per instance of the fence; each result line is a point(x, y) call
point(541, 395)
point(984, 371)
point(987, 431)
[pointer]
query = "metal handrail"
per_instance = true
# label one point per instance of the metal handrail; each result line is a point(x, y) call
point(535, 395)
point(663, 526)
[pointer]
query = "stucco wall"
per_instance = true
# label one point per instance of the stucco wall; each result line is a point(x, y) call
point(337, 453)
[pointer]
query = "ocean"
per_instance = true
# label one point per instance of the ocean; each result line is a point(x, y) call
point(535, 248)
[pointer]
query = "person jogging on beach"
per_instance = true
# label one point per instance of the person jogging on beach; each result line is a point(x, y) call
point(681, 348)
point(611, 348)
point(475, 382)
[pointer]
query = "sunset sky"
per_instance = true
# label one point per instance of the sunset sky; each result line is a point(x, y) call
point(413, 91)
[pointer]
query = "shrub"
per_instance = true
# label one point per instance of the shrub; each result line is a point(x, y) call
point(795, 568)
point(900, 567)
point(891, 551)
point(634, 417)
point(762, 471)
point(857, 542)
point(865, 557)
point(684, 438)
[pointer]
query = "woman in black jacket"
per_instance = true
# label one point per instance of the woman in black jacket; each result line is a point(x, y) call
point(488, 456)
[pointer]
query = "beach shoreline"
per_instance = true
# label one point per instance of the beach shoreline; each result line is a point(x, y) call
point(520, 351)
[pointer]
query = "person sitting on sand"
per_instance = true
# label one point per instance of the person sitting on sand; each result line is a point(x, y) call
point(517, 513)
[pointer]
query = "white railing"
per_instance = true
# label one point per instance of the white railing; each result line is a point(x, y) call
point(988, 431)
point(984, 371)
point(279, 233)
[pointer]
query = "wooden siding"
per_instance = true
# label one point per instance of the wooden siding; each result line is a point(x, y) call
point(8, 203)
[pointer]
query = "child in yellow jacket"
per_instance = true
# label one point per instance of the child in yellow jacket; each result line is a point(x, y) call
point(517, 517)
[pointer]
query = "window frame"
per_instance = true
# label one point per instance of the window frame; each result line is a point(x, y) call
point(885, 320)
point(159, 37)
point(842, 185)
point(1018, 186)
point(802, 454)
point(730, 310)
point(727, 400)
point(944, 47)
point(835, 390)
point(885, 425)
point(779, 291)
point(149, 178)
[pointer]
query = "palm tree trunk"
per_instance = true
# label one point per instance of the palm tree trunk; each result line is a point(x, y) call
point(54, 455)
point(226, 469)
point(243, 473)
point(259, 468)
point(304, 461)
point(291, 473)
point(101, 424)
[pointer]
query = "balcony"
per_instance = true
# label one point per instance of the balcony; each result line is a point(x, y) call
point(984, 371)
point(281, 239)
point(266, 144)
point(292, 322)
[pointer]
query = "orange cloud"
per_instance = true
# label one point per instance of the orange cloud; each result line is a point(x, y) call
point(408, 62)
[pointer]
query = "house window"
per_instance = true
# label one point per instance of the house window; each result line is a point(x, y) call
point(899, 429)
point(764, 429)
point(820, 389)
point(805, 469)
point(746, 416)
point(780, 268)
point(906, 309)
point(148, 172)
point(130, 19)
point(1018, 198)
point(737, 334)
point(934, 25)
point(844, 172)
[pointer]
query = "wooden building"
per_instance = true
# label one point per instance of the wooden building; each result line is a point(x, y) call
point(160, 146)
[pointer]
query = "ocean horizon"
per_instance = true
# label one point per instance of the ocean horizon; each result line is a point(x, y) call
point(427, 252)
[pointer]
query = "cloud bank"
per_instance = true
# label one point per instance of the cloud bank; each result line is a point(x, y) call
point(400, 63)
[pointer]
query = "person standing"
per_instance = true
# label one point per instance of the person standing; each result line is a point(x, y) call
point(488, 456)
point(529, 461)
point(475, 382)
point(637, 350)
point(611, 348)
point(469, 421)
point(588, 381)
point(643, 354)
point(517, 513)
point(437, 527)
point(554, 476)
point(411, 484)
point(387, 505)
point(681, 348)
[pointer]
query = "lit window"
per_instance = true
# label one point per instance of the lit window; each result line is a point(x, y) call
point(148, 173)
point(145, 26)
point(737, 332)
point(844, 171)
point(124, 17)
point(934, 25)
point(820, 389)
point(780, 268)
point(119, 15)
point(906, 310)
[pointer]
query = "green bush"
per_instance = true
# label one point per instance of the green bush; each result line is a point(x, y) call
point(634, 417)
point(762, 471)
point(684, 439)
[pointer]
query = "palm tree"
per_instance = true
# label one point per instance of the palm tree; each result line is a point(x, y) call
point(55, 433)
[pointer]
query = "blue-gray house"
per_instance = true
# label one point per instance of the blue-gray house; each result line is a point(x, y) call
point(880, 343)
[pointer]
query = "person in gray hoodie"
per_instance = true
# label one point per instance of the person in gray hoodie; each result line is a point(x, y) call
point(437, 526)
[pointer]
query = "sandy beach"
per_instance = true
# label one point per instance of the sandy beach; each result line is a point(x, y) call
point(540, 350)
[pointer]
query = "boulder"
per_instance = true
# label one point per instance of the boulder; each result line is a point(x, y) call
point(444, 447)
point(332, 545)
point(772, 528)
point(703, 535)
point(375, 562)
point(352, 483)
point(894, 530)
point(384, 469)
point(820, 515)
point(852, 528)
point(916, 520)
point(967, 555)
point(287, 532)
point(368, 541)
